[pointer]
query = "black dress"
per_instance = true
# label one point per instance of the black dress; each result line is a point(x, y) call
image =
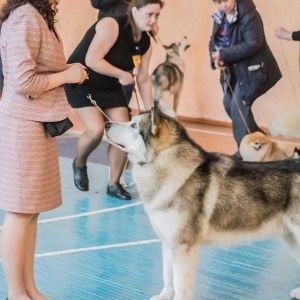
point(106, 90)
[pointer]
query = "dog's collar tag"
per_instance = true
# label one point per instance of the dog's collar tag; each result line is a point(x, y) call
point(137, 62)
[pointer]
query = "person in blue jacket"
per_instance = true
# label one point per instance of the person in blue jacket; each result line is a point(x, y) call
point(238, 48)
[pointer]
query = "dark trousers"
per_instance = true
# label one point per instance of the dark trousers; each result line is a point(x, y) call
point(238, 124)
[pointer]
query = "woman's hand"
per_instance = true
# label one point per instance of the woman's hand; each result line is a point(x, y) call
point(76, 73)
point(126, 78)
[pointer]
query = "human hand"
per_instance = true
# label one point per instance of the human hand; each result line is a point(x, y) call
point(126, 78)
point(76, 73)
point(215, 55)
point(219, 65)
point(282, 33)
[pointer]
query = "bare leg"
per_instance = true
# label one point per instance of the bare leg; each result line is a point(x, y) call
point(29, 262)
point(116, 157)
point(93, 121)
point(13, 247)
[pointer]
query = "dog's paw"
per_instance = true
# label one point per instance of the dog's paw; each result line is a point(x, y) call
point(295, 294)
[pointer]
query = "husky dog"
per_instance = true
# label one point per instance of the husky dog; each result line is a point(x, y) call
point(168, 76)
point(257, 146)
point(193, 197)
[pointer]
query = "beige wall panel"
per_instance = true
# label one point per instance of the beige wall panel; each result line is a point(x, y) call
point(202, 95)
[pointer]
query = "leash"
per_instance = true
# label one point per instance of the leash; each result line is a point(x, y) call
point(235, 101)
point(89, 96)
point(136, 95)
point(232, 93)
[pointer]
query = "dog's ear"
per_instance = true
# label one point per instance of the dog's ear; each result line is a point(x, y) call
point(155, 119)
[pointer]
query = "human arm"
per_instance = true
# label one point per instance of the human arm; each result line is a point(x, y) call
point(285, 34)
point(25, 36)
point(75, 73)
point(107, 31)
point(143, 80)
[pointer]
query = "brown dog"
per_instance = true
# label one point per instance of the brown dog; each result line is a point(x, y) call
point(259, 147)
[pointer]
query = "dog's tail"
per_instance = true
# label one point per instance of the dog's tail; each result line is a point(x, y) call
point(287, 124)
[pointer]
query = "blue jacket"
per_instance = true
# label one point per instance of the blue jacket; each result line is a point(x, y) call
point(248, 56)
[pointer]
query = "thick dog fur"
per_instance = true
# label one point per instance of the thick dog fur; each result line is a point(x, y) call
point(168, 76)
point(257, 146)
point(194, 198)
point(287, 124)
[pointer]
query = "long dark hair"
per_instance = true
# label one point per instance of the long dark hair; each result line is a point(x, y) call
point(139, 4)
point(44, 7)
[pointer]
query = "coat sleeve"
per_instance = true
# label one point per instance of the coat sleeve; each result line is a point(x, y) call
point(296, 35)
point(252, 38)
point(22, 50)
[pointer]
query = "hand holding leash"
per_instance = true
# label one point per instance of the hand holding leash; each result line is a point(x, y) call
point(126, 79)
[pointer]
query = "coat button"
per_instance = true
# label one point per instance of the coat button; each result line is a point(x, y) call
point(241, 83)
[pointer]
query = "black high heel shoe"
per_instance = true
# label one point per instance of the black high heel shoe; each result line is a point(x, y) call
point(81, 179)
point(117, 190)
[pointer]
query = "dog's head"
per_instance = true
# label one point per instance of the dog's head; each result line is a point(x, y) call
point(254, 146)
point(145, 136)
point(177, 49)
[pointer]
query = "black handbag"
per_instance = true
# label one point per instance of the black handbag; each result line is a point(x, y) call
point(59, 127)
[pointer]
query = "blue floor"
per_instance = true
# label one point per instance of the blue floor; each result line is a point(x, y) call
point(97, 247)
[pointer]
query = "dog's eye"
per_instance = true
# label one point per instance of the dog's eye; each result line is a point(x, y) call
point(133, 125)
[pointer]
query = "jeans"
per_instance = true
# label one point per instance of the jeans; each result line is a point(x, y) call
point(238, 124)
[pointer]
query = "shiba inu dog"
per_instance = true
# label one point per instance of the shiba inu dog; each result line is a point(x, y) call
point(169, 75)
point(193, 197)
point(257, 146)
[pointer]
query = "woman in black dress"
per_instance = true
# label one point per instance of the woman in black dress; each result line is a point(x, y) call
point(112, 49)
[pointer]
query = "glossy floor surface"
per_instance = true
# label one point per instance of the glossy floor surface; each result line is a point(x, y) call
point(97, 247)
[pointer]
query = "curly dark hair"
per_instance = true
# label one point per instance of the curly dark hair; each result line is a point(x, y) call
point(44, 7)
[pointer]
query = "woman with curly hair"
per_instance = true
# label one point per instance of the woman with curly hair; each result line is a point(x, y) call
point(34, 70)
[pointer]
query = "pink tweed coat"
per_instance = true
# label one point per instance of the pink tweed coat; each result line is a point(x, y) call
point(29, 170)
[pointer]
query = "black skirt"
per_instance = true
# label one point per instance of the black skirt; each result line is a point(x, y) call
point(77, 96)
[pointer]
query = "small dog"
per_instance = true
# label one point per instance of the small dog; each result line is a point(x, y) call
point(168, 76)
point(257, 146)
point(193, 197)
